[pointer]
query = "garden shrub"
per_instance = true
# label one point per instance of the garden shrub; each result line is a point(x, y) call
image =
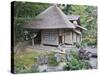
point(74, 54)
point(86, 42)
point(76, 63)
point(82, 44)
point(33, 69)
point(90, 41)
point(77, 44)
point(52, 60)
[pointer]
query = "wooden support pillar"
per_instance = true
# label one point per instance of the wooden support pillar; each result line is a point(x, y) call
point(32, 41)
point(34, 35)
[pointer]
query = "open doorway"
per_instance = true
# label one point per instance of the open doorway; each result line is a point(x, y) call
point(60, 39)
point(37, 39)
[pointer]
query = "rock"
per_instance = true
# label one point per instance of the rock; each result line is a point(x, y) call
point(58, 57)
point(84, 54)
point(45, 60)
point(68, 58)
point(34, 66)
point(93, 63)
point(94, 55)
point(39, 60)
point(42, 59)
point(51, 69)
point(42, 68)
point(88, 55)
point(56, 68)
point(61, 65)
point(82, 51)
point(46, 68)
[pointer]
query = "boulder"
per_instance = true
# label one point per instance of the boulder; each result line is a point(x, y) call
point(84, 54)
point(58, 57)
point(42, 68)
point(42, 59)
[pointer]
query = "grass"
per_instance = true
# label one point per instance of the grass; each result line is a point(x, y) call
point(24, 60)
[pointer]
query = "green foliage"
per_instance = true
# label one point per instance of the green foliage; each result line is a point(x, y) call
point(82, 44)
point(52, 60)
point(77, 44)
point(76, 63)
point(23, 12)
point(28, 9)
point(88, 19)
point(24, 61)
point(74, 54)
point(28, 70)
point(90, 41)
point(18, 30)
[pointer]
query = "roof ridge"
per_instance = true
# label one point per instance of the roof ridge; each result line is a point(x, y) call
point(63, 15)
point(52, 17)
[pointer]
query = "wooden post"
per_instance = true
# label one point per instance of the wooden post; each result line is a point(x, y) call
point(34, 35)
point(32, 41)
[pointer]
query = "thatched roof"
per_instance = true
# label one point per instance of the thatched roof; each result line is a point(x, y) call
point(51, 18)
point(73, 17)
